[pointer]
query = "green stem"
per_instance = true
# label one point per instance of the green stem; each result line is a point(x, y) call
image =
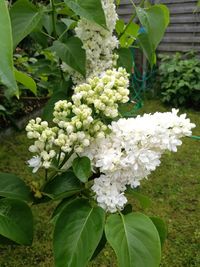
point(132, 17)
point(53, 14)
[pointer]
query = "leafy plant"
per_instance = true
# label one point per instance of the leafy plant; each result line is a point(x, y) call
point(180, 80)
point(83, 220)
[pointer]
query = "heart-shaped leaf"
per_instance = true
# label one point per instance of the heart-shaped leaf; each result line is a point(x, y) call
point(161, 228)
point(78, 231)
point(62, 186)
point(12, 186)
point(82, 168)
point(24, 19)
point(134, 239)
point(26, 80)
point(90, 9)
point(72, 53)
point(16, 221)
point(6, 55)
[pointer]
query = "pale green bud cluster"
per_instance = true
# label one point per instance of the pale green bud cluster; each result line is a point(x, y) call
point(77, 126)
point(104, 93)
point(45, 137)
point(80, 121)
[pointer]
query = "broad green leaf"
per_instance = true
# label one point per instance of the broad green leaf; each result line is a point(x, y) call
point(60, 207)
point(47, 23)
point(70, 23)
point(134, 239)
point(78, 231)
point(161, 228)
point(145, 202)
point(155, 20)
point(24, 19)
point(90, 9)
point(100, 246)
point(119, 27)
point(6, 56)
point(72, 53)
point(6, 241)
point(12, 186)
point(125, 59)
point(62, 186)
point(118, 2)
point(147, 47)
point(166, 14)
point(82, 168)
point(130, 35)
point(16, 221)
point(26, 80)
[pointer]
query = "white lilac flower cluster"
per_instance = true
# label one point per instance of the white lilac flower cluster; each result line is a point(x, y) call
point(78, 123)
point(99, 43)
point(132, 151)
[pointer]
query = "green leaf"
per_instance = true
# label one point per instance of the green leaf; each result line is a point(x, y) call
point(147, 47)
point(145, 202)
point(12, 186)
point(2, 109)
point(90, 9)
point(78, 231)
point(166, 14)
point(62, 186)
point(155, 19)
point(47, 23)
point(69, 23)
point(26, 80)
point(134, 239)
point(6, 57)
point(125, 59)
point(24, 19)
point(161, 228)
point(82, 168)
point(118, 2)
point(119, 27)
point(130, 35)
point(72, 53)
point(16, 221)
point(60, 207)
point(100, 246)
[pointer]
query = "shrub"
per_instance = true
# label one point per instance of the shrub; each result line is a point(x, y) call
point(180, 80)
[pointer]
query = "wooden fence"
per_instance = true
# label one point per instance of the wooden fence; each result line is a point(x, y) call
point(183, 33)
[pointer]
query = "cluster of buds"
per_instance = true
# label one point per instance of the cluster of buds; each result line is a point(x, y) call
point(104, 93)
point(79, 122)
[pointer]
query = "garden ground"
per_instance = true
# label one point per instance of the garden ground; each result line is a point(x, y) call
point(174, 189)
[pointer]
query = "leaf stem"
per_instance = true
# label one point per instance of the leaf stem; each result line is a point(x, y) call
point(53, 14)
point(132, 17)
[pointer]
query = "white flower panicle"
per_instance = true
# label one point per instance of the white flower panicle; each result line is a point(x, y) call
point(132, 151)
point(99, 43)
point(78, 122)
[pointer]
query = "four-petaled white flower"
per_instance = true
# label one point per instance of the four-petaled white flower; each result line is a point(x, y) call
point(35, 163)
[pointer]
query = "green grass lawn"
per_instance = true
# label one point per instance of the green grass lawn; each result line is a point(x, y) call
point(174, 189)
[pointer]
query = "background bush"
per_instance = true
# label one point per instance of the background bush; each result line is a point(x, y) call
point(180, 80)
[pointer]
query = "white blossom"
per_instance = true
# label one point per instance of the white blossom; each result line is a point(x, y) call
point(98, 42)
point(132, 151)
point(35, 163)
